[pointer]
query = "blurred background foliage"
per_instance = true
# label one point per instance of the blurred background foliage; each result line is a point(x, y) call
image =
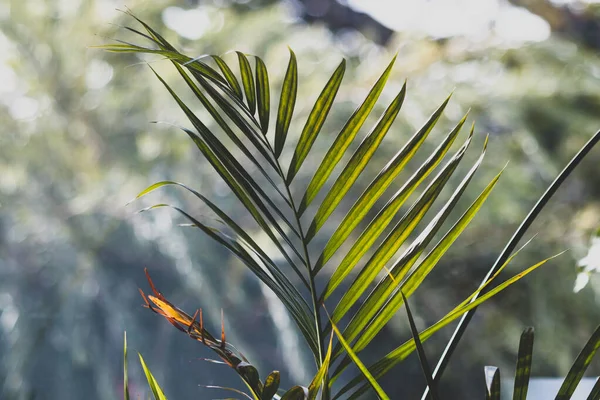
point(77, 144)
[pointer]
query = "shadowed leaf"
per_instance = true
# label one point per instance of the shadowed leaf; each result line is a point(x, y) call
point(524, 359)
point(271, 386)
point(579, 367)
point(492, 383)
point(154, 387)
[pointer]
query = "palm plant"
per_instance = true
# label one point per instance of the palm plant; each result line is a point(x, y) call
point(242, 110)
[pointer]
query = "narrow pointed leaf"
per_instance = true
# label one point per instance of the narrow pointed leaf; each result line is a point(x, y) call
point(381, 182)
point(172, 53)
point(271, 386)
point(229, 76)
point(287, 101)
point(492, 383)
point(387, 213)
point(247, 81)
point(154, 387)
point(364, 371)
point(315, 121)
point(343, 140)
point(524, 359)
point(263, 95)
point(125, 372)
point(433, 393)
point(579, 367)
point(356, 165)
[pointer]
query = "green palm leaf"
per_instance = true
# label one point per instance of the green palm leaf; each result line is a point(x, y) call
point(343, 140)
point(378, 299)
point(240, 108)
point(377, 187)
point(287, 102)
point(400, 232)
point(263, 95)
point(356, 165)
point(364, 371)
point(152, 383)
point(230, 76)
point(315, 121)
point(125, 370)
point(247, 81)
point(384, 217)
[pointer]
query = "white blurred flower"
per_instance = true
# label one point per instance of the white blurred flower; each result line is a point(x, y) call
point(591, 262)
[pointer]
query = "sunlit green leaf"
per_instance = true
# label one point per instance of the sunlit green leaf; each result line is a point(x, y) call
point(313, 388)
point(287, 102)
point(377, 187)
point(388, 211)
point(343, 140)
point(379, 304)
point(262, 94)
point(154, 386)
point(247, 81)
point(394, 240)
point(356, 165)
point(230, 76)
point(400, 353)
point(315, 121)
point(364, 371)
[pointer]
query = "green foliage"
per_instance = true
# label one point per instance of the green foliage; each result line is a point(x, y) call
point(268, 197)
point(522, 375)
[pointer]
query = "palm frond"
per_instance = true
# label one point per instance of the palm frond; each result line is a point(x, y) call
point(240, 107)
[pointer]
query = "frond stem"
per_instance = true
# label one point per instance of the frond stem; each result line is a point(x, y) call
point(311, 277)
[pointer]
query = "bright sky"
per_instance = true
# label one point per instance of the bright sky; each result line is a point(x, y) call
point(475, 19)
